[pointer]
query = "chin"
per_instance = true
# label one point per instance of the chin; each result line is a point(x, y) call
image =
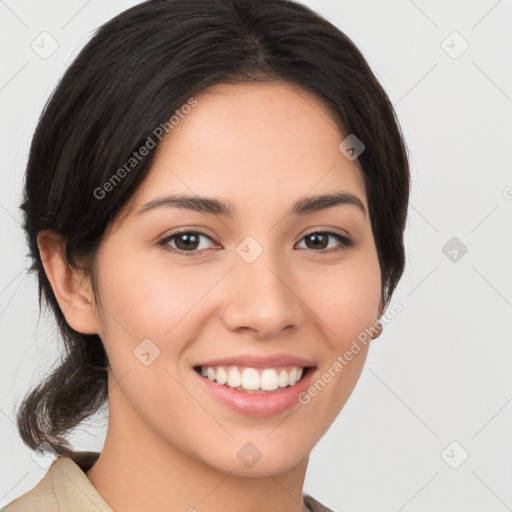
point(256, 460)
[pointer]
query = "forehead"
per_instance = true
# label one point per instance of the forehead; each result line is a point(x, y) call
point(258, 145)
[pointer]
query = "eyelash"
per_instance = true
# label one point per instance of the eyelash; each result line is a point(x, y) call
point(346, 243)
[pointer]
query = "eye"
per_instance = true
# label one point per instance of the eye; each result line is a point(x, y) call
point(190, 243)
point(186, 242)
point(319, 240)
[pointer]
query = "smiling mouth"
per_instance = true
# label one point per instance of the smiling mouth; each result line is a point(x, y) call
point(254, 380)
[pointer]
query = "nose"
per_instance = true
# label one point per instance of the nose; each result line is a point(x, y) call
point(262, 297)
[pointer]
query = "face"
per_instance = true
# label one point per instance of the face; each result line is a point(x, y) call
point(252, 288)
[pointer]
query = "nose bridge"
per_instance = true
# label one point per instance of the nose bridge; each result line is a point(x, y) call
point(262, 295)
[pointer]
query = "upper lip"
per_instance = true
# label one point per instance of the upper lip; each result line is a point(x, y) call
point(258, 361)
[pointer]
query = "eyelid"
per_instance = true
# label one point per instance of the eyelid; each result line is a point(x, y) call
point(328, 230)
point(346, 241)
point(189, 229)
point(164, 241)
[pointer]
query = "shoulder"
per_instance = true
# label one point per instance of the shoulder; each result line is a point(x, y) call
point(65, 486)
point(39, 499)
point(312, 505)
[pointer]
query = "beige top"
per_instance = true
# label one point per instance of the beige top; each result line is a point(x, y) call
point(66, 488)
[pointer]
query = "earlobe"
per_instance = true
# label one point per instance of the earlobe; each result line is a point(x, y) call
point(378, 326)
point(72, 291)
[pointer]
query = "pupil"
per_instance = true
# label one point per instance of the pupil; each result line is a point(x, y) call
point(189, 239)
point(318, 237)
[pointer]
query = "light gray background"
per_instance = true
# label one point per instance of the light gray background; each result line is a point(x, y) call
point(441, 371)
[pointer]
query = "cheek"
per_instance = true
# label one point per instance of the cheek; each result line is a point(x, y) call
point(146, 310)
point(146, 299)
point(151, 300)
point(344, 297)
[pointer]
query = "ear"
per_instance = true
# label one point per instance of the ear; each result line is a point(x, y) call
point(378, 324)
point(72, 291)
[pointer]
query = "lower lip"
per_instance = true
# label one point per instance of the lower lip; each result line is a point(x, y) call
point(258, 405)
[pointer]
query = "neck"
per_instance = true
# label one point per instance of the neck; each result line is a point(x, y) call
point(139, 470)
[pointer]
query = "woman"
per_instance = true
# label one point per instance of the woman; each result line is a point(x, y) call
point(215, 201)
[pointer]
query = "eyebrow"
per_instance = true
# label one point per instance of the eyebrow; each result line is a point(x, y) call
point(214, 206)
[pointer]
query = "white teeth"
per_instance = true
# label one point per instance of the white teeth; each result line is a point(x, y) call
point(269, 380)
point(292, 376)
point(283, 379)
point(251, 379)
point(234, 378)
point(222, 376)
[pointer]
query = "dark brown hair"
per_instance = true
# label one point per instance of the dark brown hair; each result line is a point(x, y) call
point(136, 71)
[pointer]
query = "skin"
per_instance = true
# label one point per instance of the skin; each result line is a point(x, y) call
point(169, 443)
